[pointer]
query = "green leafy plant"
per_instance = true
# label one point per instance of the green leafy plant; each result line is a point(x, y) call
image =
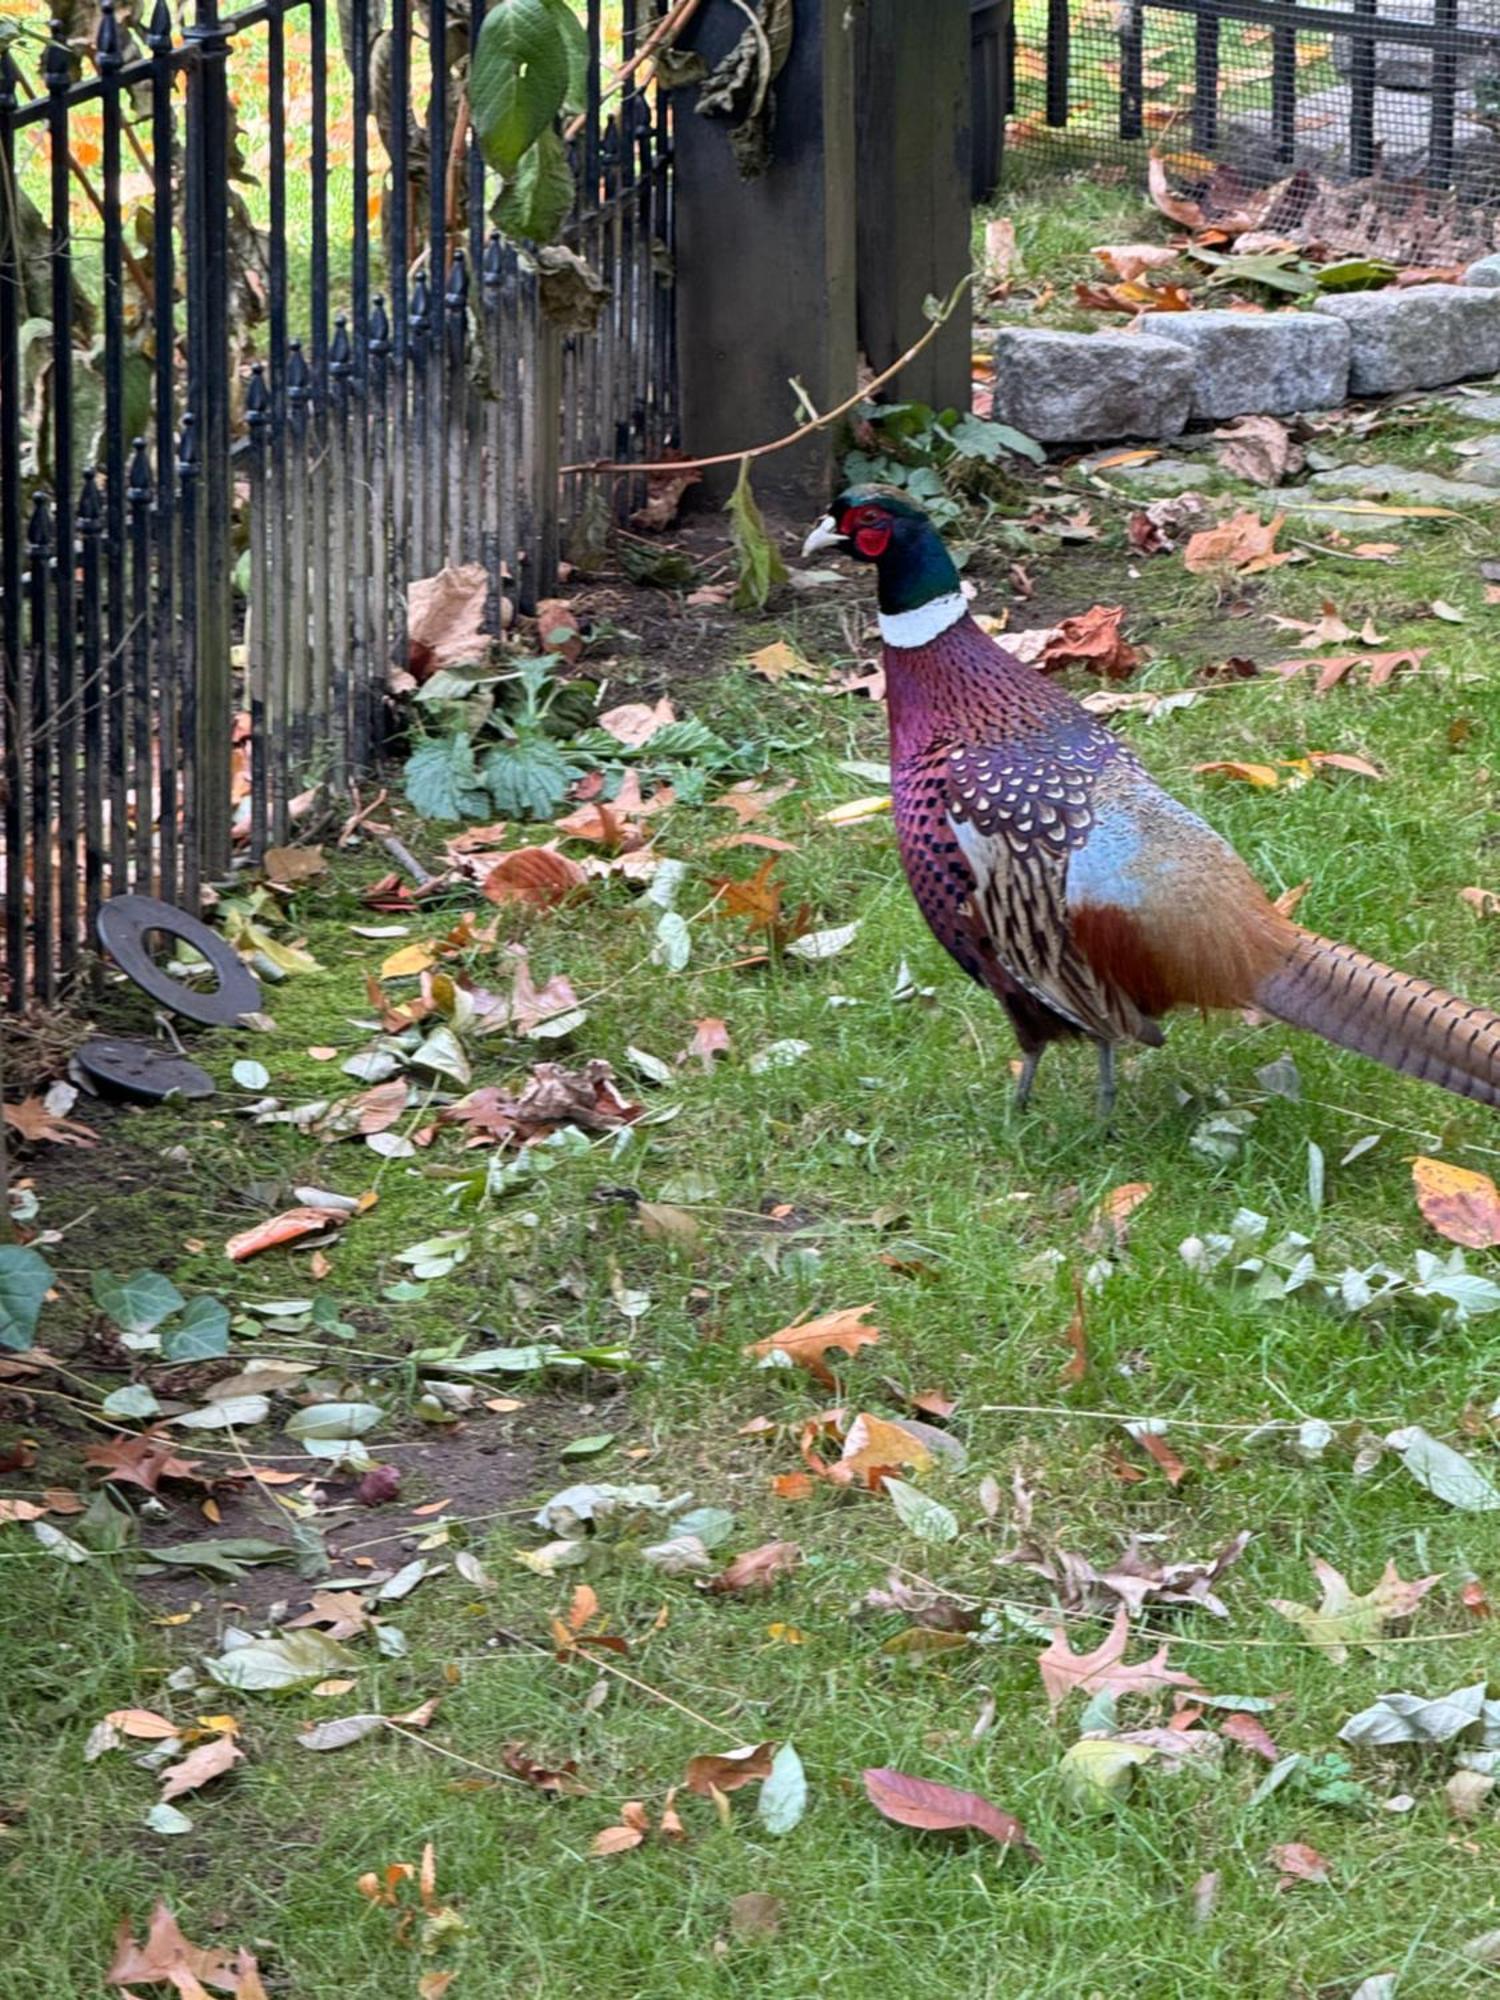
point(760, 568)
point(150, 1314)
point(25, 1280)
point(530, 65)
point(502, 748)
point(943, 459)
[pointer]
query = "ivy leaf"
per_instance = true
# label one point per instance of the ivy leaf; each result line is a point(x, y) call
point(25, 1280)
point(528, 779)
point(137, 1304)
point(202, 1333)
point(537, 198)
point(442, 781)
point(520, 79)
point(760, 567)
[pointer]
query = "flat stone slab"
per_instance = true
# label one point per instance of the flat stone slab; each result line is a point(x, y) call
point(1482, 467)
point(1483, 408)
point(1419, 338)
point(1275, 362)
point(1162, 475)
point(1484, 271)
point(1399, 483)
point(1074, 388)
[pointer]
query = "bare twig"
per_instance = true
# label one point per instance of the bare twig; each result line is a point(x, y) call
point(939, 321)
point(664, 31)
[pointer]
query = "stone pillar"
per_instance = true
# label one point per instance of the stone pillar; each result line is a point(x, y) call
point(914, 109)
point(766, 267)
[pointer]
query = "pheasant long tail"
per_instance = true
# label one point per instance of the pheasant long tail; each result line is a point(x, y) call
point(1400, 1021)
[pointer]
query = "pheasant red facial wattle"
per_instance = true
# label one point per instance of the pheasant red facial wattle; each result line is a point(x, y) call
point(1059, 874)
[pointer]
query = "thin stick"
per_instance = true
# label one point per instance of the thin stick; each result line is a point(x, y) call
point(484, 1770)
point(402, 854)
point(664, 31)
point(866, 389)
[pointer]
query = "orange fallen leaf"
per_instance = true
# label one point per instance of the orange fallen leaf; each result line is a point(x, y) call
point(1093, 640)
point(289, 1227)
point(807, 1342)
point(1075, 1334)
point(1459, 1204)
point(36, 1123)
point(728, 1770)
point(209, 1760)
point(1263, 776)
point(536, 875)
point(142, 1722)
point(1251, 1734)
point(166, 1957)
point(1483, 902)
point(1104, 1670)
point(1111, 1223)
point(1156, 1446)
point(1243, 544)
point(875, 1447)
point(1338, 760)
point(792, 1486)
point(710, 1039)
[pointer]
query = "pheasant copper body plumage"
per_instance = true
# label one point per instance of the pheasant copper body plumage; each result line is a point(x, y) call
point(1060, 875)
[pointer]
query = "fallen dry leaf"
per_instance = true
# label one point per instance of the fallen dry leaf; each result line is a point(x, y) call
point(634, 723)
point(1093, 640)
point(1459, 1204)
point(1155, 1446)
point(1483, 902)
point(209, 1760)
point(878, 1447)
point(999, 249)
point(756, 1569)
point(1134, 1579)
point(558, 629)
point(288, 867)
point(1110, 1227)
point(1298, 1863)
point(727, 1770)
point(37, 1124)
point(1251, 1734)
point(142, 1722)
point(1104, 1670)
point(807, 1342)
point(779, 660)
point(537, 875)
point(1129, 260)
point(290, 1227)
point(664, 491)
point(166, 1957)
point(935, 1808)
point(561, 1781)
point(1242, 545)
point(1342, 1620)
point(1264, 776)
point(142, 1461)
point(1259, 449)
point(756, 1914)
point(710, 1039)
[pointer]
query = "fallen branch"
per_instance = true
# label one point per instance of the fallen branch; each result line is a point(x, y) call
point(816, 423)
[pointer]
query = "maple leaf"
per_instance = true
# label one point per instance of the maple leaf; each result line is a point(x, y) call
point(876, 1447)
point(807, 1342)
point(1104, 1670)
point(1343, 1620)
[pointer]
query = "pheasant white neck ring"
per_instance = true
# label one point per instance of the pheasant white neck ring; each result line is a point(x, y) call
point(924, 622)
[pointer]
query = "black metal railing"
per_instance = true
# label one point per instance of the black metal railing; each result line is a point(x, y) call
point(212, 509)
point(1404, 91)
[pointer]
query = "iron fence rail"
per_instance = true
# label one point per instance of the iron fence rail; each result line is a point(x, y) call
point(211, 515)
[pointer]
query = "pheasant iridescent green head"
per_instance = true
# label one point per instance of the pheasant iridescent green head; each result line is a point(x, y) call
point(919, 588)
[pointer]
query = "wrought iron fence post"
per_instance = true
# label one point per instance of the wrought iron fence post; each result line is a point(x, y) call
point(37, 724)
point(208, 394)
point(12, 312)
point(90, 529)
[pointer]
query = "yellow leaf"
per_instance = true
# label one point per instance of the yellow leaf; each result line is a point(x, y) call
point(1463, 1206)
point(776, 661)
point(410, 960)
point(335, 1686)
point(1260, 775)
point(856, 809)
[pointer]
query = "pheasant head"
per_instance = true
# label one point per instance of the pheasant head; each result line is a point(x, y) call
point(918, 584)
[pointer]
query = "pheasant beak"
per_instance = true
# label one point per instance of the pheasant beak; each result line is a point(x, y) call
point(824, 536)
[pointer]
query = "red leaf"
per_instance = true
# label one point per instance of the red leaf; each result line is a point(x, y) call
point(757, 1569)
point(1298, 1863)
point(938, 1808)
point(1251, 1734)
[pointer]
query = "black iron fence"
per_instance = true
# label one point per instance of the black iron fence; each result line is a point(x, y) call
point(1401, 92)
point(263, 364)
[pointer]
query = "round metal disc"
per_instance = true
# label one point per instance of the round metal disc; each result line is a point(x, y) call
point(124, 924)
point(126, 1068)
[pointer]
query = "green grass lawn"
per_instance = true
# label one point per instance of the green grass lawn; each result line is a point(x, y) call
point(884, 1167)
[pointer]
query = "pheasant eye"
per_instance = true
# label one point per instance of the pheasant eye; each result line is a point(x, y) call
point(872, 532)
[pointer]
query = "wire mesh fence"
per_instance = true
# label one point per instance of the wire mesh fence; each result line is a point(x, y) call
point(1395, 100)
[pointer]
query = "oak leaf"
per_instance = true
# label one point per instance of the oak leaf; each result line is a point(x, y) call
point(1243, 545)
point(1342, 1620)
point(1104, 1671)
point(166, 1957)
point(807, 1343)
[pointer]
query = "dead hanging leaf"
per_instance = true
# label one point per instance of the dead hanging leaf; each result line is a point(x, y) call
point(1259, 449)
point(935, 1808)
point(757, 1569)
point(634, 723)
point(1483, 902)
point(710, 1039)
point(1130, 260)
point(1242, 545)
point(536, 875)
point(1342, 1620)
point(209, 1760)
point(1459, 1204)
point(1093, 640)
point(1104, 1671)
point(728, 1770)
point(292, 1226)
point(38, 1125)
point(166, 1958)
point(445, 619)
point(1263, 776)
point(1298, 1863)
point(808, 1342)
point(664, 491)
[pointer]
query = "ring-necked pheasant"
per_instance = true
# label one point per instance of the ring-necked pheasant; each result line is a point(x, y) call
point(1061, 876)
